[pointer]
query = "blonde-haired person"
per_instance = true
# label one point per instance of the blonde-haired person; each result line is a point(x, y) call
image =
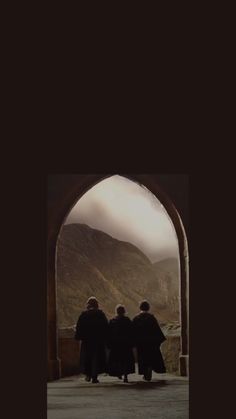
point(91, 330)
point(120, 342)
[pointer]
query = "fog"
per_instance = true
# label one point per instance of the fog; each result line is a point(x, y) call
point(128, 212)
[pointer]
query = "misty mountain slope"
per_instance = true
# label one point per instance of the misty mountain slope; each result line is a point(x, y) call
point(90, 262)
point(167, 272)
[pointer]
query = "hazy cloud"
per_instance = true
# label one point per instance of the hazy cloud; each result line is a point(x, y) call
point(128, 212)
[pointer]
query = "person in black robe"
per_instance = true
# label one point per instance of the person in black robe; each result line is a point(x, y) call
point(91, 330)
point(120, 342)
point(148, 338)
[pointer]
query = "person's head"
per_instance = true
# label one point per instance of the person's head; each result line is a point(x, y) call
point(92, 303)
point(120, 310)
point(144, 305)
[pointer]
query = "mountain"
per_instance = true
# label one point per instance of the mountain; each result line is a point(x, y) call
point(168, 265)
point(167, 272)
point(90, 262)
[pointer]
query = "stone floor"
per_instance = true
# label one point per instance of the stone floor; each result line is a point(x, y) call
point(165, 397)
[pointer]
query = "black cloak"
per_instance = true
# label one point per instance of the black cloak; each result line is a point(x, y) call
point(91, 329)
point(120, 342)
point(148, 338)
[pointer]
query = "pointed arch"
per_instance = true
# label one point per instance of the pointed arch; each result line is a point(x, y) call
point(62, 198)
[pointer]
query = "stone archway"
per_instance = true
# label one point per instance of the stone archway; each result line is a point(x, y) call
point(62, 199)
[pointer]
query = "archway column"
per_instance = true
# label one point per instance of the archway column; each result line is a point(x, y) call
point(54, 363)
point(184, 295)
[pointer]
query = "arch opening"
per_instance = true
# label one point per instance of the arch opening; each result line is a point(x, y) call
point(175, 220)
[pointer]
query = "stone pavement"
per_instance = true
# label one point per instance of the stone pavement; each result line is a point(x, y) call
point(165, 397)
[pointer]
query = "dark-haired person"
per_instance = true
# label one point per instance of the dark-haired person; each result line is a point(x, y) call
point(148, 338)
point(120, 342)
point(91, 330)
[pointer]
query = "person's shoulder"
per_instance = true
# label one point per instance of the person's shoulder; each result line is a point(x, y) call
point(154, 317)
point(101, 313)
point(151, 316)
point(145, 316)
point(83, 314)
point(127, 319)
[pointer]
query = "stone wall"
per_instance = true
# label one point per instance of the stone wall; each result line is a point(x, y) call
point(69, 355)
point(69, 350)
point(171, 351)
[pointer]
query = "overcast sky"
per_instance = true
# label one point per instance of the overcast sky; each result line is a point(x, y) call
point(128, 212)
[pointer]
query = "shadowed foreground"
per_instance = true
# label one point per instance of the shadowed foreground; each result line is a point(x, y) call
point(165, 397)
